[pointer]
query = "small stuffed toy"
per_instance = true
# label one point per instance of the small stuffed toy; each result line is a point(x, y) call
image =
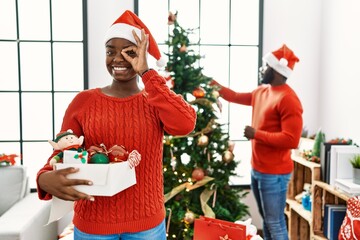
point(67, 140)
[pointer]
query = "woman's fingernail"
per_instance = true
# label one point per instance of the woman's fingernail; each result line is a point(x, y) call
point(92, 199)
point(90, 183)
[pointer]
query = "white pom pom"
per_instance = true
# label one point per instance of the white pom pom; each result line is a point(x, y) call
point(161, 62)
point(283, 62)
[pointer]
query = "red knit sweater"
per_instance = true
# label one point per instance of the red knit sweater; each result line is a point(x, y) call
point(138, 123)
point(277, 118)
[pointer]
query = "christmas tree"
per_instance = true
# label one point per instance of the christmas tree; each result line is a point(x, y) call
point(197, 167)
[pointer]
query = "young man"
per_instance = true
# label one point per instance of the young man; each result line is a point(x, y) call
point(275, 130)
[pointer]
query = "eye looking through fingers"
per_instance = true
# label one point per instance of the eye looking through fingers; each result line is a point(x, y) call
point(131, 53)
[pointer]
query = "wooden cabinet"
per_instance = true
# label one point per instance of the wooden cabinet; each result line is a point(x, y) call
point(304, 224)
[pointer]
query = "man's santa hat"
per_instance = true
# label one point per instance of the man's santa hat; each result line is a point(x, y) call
point(282, 60)
point(122, 28)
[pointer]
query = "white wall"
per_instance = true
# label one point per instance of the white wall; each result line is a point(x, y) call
point(325, 36)
point(297, 23)
point(101, 15)
point(339, 111)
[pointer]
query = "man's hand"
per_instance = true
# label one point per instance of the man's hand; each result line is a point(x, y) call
point(249, 132)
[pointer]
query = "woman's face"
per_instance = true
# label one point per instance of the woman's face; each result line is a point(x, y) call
point(117, 66)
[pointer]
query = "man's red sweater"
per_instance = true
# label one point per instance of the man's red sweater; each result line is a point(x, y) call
point(277, 119)
point(138, 123)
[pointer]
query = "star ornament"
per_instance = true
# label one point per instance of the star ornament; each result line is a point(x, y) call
point(226, 237)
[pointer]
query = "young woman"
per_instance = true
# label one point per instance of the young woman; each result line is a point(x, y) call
point(123, 114)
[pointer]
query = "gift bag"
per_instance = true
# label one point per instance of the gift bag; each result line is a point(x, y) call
point(350, 228)
point(214, 229)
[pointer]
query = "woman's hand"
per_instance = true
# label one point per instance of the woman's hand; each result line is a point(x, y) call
point(139, 62)
point(57, 184)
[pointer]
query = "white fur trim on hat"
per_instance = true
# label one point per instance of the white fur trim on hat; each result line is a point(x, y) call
point(161, 62)
point(122, 30)
point(277, 65)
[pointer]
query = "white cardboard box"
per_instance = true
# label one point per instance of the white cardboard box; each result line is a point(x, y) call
point(108, 179)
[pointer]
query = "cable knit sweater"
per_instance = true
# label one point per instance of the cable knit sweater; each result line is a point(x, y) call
point(138, 123)
point(277, 119)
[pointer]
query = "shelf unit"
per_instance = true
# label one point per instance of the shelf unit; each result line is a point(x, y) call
point(303, 224)
point(299, 219)
point(323, 194)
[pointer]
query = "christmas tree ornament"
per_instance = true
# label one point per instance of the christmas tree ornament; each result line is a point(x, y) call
point(215, 94)
point(199, 92)
point(231, 146)
point(198, 174)
point(167, 140)
point(99, 158)
point(183, 48)
point(189, 217)
point(173, 163)
point(117, 153)
point(228, 156)
point(203, 141)
point(185, 158)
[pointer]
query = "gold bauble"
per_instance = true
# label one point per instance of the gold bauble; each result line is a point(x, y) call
point(203, 141)
point(189, 217)
point(215, 94)
point(167, 140)
point(228, 156)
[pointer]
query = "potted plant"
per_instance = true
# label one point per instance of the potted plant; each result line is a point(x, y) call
point(355, 162)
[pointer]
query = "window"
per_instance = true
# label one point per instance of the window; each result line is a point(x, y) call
point(43, 65)
point(229, 34)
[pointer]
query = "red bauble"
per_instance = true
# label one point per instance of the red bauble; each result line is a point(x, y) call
point(198, 174)
point(118, 153)
point(199, 92)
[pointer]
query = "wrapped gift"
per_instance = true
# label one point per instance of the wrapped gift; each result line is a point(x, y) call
point(214, 229)
point(350, 228)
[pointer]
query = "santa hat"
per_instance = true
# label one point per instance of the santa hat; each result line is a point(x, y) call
point(282, 60)
point(122, 28)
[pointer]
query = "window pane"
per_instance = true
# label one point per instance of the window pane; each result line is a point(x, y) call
point(188, 17)
point(245, 22)
point(7, 19)
point(61, 103)
point(9, 63)
point(212, 67)
point(34, 19)
point(242, 152)
point(37, 116)
point(153, 21)
point(68, 66)
point(35, 66)
point(35, 155)
point(215, 22)
point(9, 127)
point(244, 68)
point(67, 20)
point(240, 116)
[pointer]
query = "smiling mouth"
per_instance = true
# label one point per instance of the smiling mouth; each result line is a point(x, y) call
point(119, 68)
